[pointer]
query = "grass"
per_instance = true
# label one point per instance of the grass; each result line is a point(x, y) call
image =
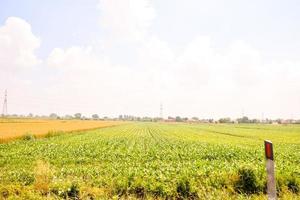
point(152, 161)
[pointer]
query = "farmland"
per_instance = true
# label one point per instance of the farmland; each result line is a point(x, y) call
point(15, 128)
point(152, 161)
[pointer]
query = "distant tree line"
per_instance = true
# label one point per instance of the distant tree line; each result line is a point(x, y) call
point(79, 116)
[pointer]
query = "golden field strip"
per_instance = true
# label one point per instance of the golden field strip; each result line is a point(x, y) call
point(15, 128)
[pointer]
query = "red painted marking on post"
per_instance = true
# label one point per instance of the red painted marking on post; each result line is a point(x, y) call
point(269, 150)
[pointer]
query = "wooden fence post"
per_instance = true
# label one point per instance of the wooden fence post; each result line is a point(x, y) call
point(271, 182)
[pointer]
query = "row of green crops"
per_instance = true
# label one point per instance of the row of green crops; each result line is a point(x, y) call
point(152, 161)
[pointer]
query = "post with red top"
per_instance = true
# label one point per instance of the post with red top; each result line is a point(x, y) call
point(271, 184)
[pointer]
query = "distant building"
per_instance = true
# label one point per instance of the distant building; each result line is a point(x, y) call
point(170, 119)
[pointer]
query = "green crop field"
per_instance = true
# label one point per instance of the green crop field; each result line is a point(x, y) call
point(152, 161)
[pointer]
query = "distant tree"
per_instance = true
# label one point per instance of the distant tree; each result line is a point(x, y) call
point(178, 119)
point(255, 121)
point(30, 115)
point(53, 116)
point(95, 116)
point(146, 119)
point(195, 118)
point(77, 116)
point(68, 117)
point(225, 120)
point(157, 119)
point(84, 118)
point(243, 120)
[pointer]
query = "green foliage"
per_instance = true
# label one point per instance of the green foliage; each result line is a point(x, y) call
point(293, 185)
point(184, 190)
point(289, 182)
point(67, 190)
point(247, 181)
point(152, 161)
point(73, 192)
point(29, 137)
point(53, 134)
point(225, 120)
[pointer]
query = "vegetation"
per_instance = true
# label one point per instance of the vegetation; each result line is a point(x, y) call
point(30, 128)
point(152, 161)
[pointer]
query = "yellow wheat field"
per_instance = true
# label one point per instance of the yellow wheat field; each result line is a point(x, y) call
point(14, 128)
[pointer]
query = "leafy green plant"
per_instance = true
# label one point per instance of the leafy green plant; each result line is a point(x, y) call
point(247, 181)
point(28, 137)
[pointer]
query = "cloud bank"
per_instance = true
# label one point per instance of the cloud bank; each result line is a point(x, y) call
point(17, 45)
point(200, 79)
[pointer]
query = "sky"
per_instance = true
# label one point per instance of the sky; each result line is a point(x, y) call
point(209, 59)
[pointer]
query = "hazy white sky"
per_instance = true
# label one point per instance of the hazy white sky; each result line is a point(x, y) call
point(199, 58)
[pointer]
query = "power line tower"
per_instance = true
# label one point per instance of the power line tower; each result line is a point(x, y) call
point(262, 117)
point(4, 111)
point(161, 111)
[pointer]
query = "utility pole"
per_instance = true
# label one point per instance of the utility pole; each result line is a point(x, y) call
point(161, 111)
point(270, 166)
point(4, 111)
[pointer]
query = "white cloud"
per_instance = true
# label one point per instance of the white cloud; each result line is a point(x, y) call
point(17, 61)
point(199, 50)
point(17, 45)
point(155, 52)
point(198, 78)
point(245, 62)
point(89, 79)
point(127, 20)
point(75, 57)
point(197, 62)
